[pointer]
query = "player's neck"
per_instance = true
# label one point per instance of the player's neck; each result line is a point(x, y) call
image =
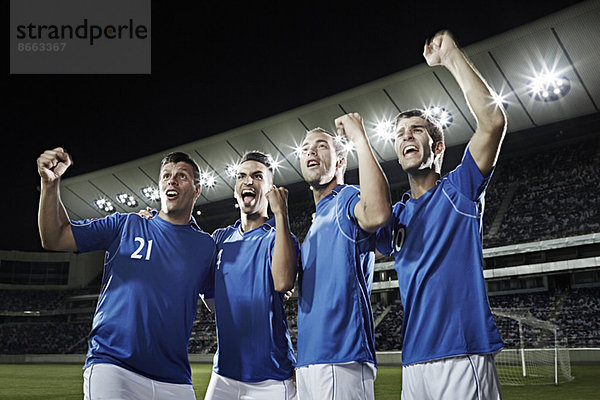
point(422, 183)
point(253, 221)
point(176, 218)
point(321, 191)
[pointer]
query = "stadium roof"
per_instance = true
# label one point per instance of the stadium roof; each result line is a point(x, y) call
point(565, 43)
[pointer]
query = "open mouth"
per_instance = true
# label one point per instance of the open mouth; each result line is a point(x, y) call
point(312, 163)
point(410, 149)
point(171, 194)
point(248, 196)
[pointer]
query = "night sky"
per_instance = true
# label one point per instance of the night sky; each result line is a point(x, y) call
point(217, 67)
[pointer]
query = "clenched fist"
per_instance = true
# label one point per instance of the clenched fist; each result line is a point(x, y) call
point(436, 50)
point(350, 126)
point(52, 164)
point(277, 198)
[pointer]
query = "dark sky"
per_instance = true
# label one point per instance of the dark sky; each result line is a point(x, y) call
point(217, 67)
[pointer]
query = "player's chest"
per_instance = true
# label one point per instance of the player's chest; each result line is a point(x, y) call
point(148, 250)
point(243, 257)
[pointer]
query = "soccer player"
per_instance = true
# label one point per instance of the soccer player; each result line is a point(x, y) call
point(449, 335)
point(336, 348)
point(154, 271)
point(256, 264)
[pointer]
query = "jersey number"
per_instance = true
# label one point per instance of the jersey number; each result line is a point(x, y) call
point(219, 258)
point(399, 238)
point(136, 254)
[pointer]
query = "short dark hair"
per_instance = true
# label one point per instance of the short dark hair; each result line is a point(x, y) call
point(433, 126)
point(338, 141)
point(263, 158)
point(179, 156)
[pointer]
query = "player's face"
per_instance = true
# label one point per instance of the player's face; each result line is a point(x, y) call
point(178, 192)
point(253, 182)
point(318, 159)
point(414, 145)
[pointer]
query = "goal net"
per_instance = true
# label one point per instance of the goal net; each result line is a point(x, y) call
point(534, 351)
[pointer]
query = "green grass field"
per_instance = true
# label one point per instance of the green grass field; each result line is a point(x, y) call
point(63, 382)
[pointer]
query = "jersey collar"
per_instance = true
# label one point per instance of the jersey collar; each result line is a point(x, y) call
point(193, 224)
point(268, 225)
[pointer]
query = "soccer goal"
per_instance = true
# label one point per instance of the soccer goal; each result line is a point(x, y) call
point(534, 351)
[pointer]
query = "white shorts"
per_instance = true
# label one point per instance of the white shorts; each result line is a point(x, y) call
point(471, 377)
point(223, 388)
point(348, 381)
point(108, 381)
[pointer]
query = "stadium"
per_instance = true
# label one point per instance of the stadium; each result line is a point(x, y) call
point(541, 231)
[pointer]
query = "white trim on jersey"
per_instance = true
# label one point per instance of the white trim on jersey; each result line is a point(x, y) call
point(456, 208)
point(337, 220)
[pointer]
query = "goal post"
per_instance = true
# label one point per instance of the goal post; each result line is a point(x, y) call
point(534, 351)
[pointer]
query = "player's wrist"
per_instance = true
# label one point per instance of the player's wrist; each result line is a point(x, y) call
point(453, 58)
point(280, 215)
point(48, 184)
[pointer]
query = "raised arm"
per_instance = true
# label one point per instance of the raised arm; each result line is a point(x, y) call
point(374, 208)
point(285, 260)
point(53, 222)
point(491, 120)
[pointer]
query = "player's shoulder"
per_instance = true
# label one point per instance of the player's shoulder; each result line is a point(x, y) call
point(219, 234)
point(269, 225)
point(270, 228)
point(466, 166)
point(115, 217)
point(398, 207)
point(199, 232)
point(349, 190)
point(345, 193)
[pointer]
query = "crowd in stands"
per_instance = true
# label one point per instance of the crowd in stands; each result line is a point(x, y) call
point(30, 300)
point(575, 312)
point(51, 337)
point(552, 197)
point(301, 219)
point(387, 332)
point(204, 334)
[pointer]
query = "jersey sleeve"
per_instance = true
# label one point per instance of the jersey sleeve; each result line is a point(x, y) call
point(98, 234)
point(207, 287)
point(383, 242)
point(468, 179)
point(347, 199)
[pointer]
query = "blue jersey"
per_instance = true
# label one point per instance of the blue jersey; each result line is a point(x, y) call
point(437, 243)
point(252, 330)
point(153, 274)
point(335, 321)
